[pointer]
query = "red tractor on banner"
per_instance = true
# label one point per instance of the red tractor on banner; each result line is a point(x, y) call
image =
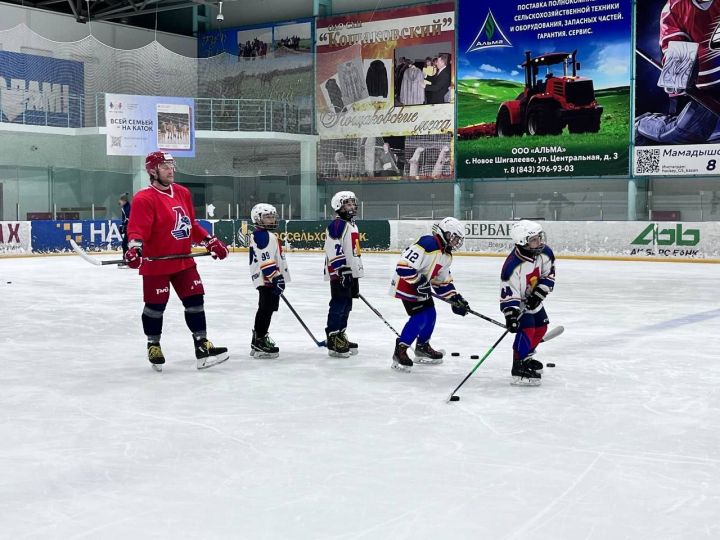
point(548, 104)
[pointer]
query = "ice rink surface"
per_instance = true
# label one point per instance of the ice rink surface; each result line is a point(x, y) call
point(621, 441)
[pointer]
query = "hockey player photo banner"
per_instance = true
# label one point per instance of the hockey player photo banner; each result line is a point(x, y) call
point(544, 88)
point(138, 125)
point(384, 93)
point(677, 92)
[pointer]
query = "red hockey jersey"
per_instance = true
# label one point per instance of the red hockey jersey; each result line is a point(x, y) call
point(165, 222)
point(686, 20)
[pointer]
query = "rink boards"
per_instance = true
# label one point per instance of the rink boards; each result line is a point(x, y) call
point(593, 239)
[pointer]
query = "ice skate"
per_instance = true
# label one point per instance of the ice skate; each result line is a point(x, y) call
point(523, 374)
point(208, 355)
point(263, 347)
point(401, 361)
point(155, 356)
point(535, 365)
point(337, 346)
point(425, 354)
point(352, 346)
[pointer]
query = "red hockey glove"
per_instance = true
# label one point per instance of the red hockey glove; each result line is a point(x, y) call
point(217, 249)
point(133, 256)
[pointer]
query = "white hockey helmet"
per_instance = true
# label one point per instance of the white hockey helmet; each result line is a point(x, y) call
point(344, 202)
point(524, 231)
point(265, 216)
point(451, 231)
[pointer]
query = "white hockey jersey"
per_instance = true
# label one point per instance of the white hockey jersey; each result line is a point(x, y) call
point(521, 274)
point(342, 248)
point(267, 259)
point(426, 257)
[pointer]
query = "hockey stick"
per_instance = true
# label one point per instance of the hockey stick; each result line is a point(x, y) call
point(297, 316)
point(707, 101)
point(77, 249)
point(376, 312)
point(484, 317)
point(555, 332)
point(491, 349)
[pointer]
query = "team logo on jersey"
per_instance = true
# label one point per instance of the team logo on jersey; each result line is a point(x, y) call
point(183, 226)
point(532, 278)
point(489, 36)
point(355, 239)
point(715, 39)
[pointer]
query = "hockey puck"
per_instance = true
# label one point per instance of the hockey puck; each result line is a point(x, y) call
point(550, 364)
point(455, 354)
point(455, 398)
point(474, 357)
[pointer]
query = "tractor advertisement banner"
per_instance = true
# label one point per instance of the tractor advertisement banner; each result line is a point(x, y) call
point(544, 88)
point(677, 92)
point(384, 92)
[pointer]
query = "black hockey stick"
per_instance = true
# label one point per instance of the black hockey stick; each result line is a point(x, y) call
point(452, 396)
point(297, 316)
point(484, 317)
point(707, 101)
point(376, 312)
point(555, 332)
point(77, 249)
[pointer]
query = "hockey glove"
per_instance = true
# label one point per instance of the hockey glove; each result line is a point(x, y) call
point(536, 298)
point(512, 319)
point(133, 256)
point(216, 248)
point(460, 306)
point(346, 277)
point(278, 285)
point(424, 289)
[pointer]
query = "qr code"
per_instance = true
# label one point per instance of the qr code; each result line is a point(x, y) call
point(648, 161)
point(115, 142)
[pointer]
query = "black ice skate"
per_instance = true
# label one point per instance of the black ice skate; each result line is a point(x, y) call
point(523, 374)
point(425, 354)
point(336, 345)
point(352, 346)
point(401, 360)
point(535, 365)
point(208, 355)
point(263, 347)
point(155, 355)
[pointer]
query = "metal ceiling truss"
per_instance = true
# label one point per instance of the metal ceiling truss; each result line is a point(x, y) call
point(107, 10)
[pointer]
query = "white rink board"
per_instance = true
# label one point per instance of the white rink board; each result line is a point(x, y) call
point(670, 239)
point(15, 237)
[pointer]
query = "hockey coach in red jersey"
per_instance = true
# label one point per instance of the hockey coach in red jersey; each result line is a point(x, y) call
point(163, 223)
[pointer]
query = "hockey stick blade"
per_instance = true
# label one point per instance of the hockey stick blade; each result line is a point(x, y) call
point(552, 334)
point(77, 249)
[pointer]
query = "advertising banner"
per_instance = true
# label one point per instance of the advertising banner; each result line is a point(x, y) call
point(258, 41)
point(138, 125)
point(97, 235)
point(41, 91)
point(677, 88)
point(635, 240)
point(14, 237)
point(384, 93)
point(544, 88)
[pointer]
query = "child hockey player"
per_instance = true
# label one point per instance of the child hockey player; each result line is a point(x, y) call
point(343, 268)
point(528, 276)
point(425, 266)
point(269, 273)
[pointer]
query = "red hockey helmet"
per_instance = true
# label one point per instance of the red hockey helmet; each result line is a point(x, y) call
point(153, 159)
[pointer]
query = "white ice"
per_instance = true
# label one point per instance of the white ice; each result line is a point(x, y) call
point(621, 440)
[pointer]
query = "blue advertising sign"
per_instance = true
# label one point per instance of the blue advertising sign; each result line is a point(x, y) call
point(39, 90)
point(544, 88)
point(91, 235)
point(138, 125)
